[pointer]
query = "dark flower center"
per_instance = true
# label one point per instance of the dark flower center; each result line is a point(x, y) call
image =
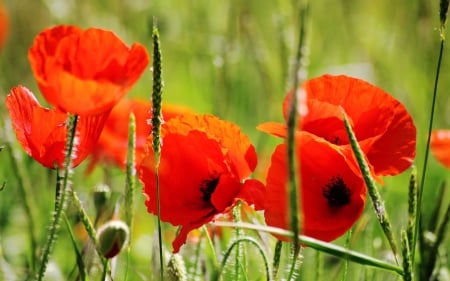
point(208, 186)
point(336, 192)
point(334, 140)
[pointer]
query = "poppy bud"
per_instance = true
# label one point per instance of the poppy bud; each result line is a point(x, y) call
point(102, 194)
point(112, 237)
point(176, 270)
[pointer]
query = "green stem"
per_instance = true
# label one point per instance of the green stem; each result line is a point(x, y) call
point(377, 202)
point(276, 259)
point(84, 218)
point(24, 188)
point(212, 253)
point(80, 263)
point(61, 198)
point(325, 247)
point(130, 182)
point(240, 257)
point(443, 17)
point(249, 240)
point(408, 271)
point(293, 189)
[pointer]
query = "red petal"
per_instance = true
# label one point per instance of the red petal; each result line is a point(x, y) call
point(440, 146)
point(85, 72)
point(239, 148)
point(320, 162)
point(42, 132)
point(273, 128)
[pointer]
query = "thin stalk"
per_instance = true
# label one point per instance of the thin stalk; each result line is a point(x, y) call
point(86, 221)
point(240, 257)
point(441, 232)
point(276, 259)
point(212, 252)
point(408, 271)
point(347, 244)
point(24, 188)
point(105, 269)
point(236, 243)
point(130, 183)
point(443, 18)
point(61, 198)
point(156, 129)
point(325, 247)
point(80, 263)
point(293, 189)
point(319, 266)
point(412, 212)
point(377, 202)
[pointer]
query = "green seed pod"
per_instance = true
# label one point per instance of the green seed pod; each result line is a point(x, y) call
point(112, 237)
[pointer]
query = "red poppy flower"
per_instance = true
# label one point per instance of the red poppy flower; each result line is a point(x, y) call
point(4, 24)
point(42, 132)
point(85, 71)
point(332, 193)
point(382, 125)
point(440, 146)
point(204, 169)
point(112, 145)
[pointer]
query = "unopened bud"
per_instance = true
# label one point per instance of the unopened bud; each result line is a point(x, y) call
point(102, 195)
point(112, 237)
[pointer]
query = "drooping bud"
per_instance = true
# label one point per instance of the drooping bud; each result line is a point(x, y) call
point(112, 237)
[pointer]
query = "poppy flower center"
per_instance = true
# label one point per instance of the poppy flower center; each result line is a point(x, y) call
point(208, 186)
point(336, 192)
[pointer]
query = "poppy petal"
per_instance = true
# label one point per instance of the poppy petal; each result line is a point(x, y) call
point(440, 146)
point(273, 128)
point(85, 72)
point(332, 194)
point(42, 132)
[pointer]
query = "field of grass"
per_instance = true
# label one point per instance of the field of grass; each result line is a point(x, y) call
point(233, 59)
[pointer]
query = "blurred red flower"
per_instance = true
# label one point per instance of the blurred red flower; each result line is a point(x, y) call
point(112, 145)
point(204, 170)
point(85, 72)
point(42, 131)
point(4, 24)
point(385, 132)
point(440, 146)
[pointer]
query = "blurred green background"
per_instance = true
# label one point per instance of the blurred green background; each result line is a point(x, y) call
point(234, 59)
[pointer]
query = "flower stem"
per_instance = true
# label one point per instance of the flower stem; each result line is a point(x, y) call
point(24, 189)
point(60, 204)
point(130, 183)
point(249, 240)
point(276, 259)
point(377, 202)
point(240, 257)
point(443, 18)
point(325, 247)
point(293, 190)
point(408, 271)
